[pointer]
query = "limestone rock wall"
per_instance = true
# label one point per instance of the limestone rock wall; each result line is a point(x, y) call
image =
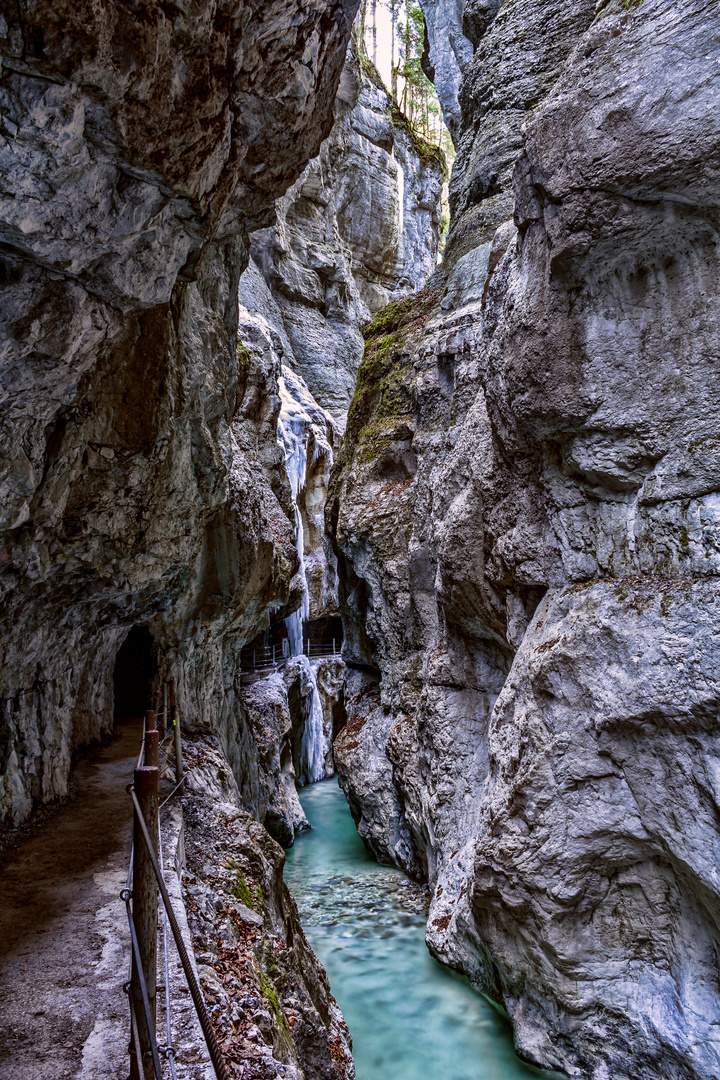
point(359, 228)
point(519, 50)
point(304, 420)
point(525, 514)
point(449, 50)
point(137, 150)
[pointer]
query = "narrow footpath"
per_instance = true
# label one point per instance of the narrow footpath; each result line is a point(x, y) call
point(64, 941)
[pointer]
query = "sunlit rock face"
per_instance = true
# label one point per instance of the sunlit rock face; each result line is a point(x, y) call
point(360, 227)
point(139, 467)
point(526, 519)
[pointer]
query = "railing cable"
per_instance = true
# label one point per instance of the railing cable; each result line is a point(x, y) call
point(168, 797)
point(169, 1049)
point(135, 1036)
point(195, 991)
point(141, 976)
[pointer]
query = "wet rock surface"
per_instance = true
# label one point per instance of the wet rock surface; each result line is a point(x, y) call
point(525, 519)
point(365, 774)
point(314, 684)
point(597, 833)
point(65, 944)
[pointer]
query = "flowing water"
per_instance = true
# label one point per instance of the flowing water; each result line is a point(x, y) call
point(410, 1018)
point(300, 425)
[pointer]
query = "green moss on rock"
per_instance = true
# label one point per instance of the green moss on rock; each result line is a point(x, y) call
point(428, 153)
point(381, 408)
point(243, 358)
point(368, 69)
point(240, 888)
point(269, 992)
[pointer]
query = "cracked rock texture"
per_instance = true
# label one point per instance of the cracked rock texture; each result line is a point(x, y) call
point(140, 480)
point(526, 512)
point(519, 52)
point(359, 228)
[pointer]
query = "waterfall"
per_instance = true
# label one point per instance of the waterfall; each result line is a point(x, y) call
point(300, 421)
point(315, 743)
point(294, 426)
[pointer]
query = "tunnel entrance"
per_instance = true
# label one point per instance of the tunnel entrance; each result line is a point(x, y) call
point(135, 669)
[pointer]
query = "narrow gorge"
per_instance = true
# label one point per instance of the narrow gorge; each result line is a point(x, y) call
point(385, 466)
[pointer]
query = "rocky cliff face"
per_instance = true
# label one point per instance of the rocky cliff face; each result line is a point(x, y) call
point(360, 227)
point(449, 50)
point(140, 475)
point(526, 519)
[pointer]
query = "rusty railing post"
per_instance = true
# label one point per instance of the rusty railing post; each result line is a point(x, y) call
point(145, 910)
point(152, 741)
point(152, 748)
point(176, 732)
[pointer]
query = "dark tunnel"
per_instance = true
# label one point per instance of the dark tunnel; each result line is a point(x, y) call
point(135, 669)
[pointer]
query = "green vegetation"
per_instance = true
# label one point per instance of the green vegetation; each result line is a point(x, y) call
point(400, 314)
point(270, 963)
point(428, 152)
point(376, 437)
point(414, 103)
point(269, 992)
point(444, 224)
point(369, 70)
point(382, 401)
point(243, 358)
point(240, 888)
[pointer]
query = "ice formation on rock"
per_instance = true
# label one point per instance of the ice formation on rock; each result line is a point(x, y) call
point(303, 435)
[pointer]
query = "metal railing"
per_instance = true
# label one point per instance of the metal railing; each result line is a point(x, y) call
point(322, 648)
point(145, 877)
point(270, 657)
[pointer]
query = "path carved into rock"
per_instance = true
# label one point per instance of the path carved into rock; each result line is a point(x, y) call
point(64, 942)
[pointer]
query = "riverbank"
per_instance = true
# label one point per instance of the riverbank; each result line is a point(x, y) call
point(366, 923)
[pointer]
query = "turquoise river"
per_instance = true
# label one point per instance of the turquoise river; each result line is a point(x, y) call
point(410, 1018)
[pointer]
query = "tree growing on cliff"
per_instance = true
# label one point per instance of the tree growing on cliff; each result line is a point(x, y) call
point(413, 94)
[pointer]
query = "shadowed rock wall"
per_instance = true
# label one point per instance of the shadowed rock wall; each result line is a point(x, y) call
point(137, 150)
point(526, 516)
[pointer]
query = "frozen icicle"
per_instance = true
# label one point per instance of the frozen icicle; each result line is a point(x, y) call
point(301, 420)
point(294, 625)
point(303, 430)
